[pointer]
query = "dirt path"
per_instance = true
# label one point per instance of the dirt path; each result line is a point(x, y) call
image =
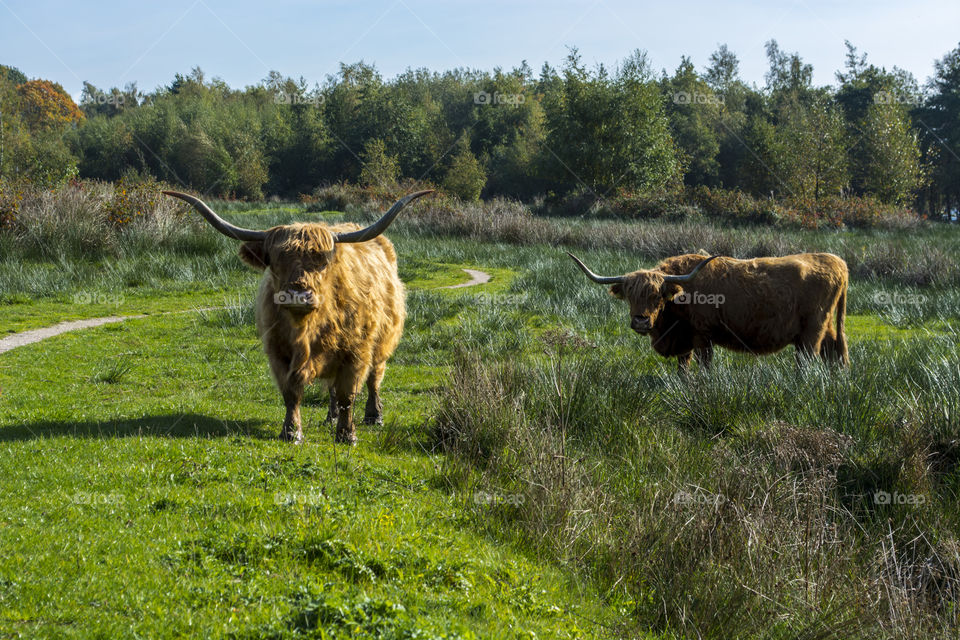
point(476, 277)
point(36, 335)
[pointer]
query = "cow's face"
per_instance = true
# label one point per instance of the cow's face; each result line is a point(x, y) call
point(298, 256)
point(647, 294)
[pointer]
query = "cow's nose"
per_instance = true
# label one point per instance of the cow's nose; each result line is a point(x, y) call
point(640, 323)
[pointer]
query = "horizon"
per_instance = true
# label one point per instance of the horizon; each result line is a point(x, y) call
point(239, 40)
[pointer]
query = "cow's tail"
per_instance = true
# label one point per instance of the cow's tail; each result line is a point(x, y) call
point(842, 354)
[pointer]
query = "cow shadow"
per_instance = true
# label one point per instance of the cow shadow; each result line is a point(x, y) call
point(173, 425)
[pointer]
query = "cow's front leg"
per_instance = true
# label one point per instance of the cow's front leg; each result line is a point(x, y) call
point(332, 410)
point(704, 352)
point(345, 387)
point(374, 409)
point(292, 395)
point(291, 384)
point(683, 363)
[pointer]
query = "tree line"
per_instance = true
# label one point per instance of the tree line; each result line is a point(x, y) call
point(516, 133)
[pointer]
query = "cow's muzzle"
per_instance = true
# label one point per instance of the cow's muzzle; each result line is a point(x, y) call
point(641, 324)
point(296, 300)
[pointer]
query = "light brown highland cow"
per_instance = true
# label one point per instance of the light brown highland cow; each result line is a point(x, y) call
point(330, 307)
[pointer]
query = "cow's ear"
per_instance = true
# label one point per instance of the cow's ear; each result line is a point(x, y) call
point(255, 254)
point(670, 290)
point(617, 291)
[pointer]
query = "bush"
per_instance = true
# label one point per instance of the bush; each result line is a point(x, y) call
point(88, 218)
point(465, 177)
point(379, 169)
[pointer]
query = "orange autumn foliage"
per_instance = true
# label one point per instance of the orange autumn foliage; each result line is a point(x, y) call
point(45, 105)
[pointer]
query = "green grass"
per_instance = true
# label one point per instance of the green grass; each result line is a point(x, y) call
point(519, 487)
point(145, 494)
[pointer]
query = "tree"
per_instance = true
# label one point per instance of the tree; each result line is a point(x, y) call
point(724, 70)
point(34, 118)
point(694, 111)
point(803, 153)
point(939, 118)
point(607, 133)
point(12, 75)
point(788, 73)
point(45, 105)
point(93, 101)
point(741, 107)
point(884, 156)
point(379, 168)
point(464, 177)
point(888, 164)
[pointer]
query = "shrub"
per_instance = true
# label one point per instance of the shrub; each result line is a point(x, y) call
point(379, 168)
point(88, 218)
point(465, 177)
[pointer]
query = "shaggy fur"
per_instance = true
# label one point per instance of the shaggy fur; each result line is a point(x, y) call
point(757, 306)
point(338, 317)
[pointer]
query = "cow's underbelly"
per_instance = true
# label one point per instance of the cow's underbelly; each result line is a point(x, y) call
point(754, 340)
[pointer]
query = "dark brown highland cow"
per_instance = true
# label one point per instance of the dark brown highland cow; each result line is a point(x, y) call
point(330, 307)
point(689, 303)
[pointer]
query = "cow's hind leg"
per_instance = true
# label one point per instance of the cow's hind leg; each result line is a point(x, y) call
point(810, 342)
point(374, 411)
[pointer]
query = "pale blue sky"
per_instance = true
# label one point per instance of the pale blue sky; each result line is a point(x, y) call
point(111, 43)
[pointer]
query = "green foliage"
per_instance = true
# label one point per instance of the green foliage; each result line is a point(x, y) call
point(941, 133)
point(607, 132)
point(12, 75)
point(889, 162)
point(464, 177)
point(576, 130)
point(695, 111)
point(379, 169)
point(803, 151)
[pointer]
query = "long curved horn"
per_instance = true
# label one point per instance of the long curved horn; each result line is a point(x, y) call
point(689, 276)
point(380, 225)
point(221, 225)
point(595, 277)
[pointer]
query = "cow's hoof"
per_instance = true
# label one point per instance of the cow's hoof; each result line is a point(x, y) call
point(350, 440)
point(373, 420)
point(292, 437)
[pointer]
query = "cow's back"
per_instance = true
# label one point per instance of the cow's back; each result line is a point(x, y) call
point(762, 304)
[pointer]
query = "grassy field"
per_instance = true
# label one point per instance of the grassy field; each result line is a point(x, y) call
point(541, 472)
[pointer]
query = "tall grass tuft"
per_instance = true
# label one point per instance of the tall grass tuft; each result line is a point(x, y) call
point(755, 500)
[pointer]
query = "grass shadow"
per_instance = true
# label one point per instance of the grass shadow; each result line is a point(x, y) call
point(175, 425)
